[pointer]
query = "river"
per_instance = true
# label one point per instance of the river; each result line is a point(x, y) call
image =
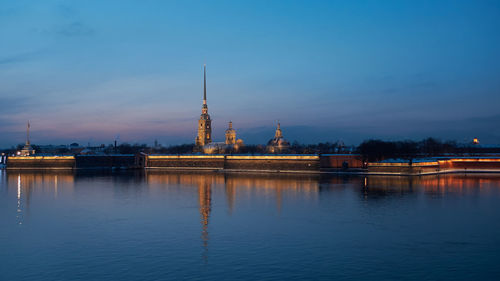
point(157, 225)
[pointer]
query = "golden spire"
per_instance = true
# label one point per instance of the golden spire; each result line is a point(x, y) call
point(204, 84)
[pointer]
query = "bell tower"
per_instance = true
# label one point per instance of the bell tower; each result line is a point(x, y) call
point(230, 134)
point(204, 123)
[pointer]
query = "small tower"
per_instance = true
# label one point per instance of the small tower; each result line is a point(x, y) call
point(27, 149)
point(278, 144)
point(278, 134)
point(204, 123)
point(230, 134)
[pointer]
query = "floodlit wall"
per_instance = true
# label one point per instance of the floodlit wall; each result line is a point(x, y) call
point(41, 162)
point(271, 162)
point(184, 161)
point(71, 162)
point(341, 161)
point(244, 162)
point(438, 166)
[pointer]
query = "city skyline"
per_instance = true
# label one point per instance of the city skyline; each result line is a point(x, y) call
point(336, 71)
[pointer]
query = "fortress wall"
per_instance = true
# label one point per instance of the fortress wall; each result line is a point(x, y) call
point(105, 161)
point(261, 162)
point(471, 163)
point(441, 166)
point(336, 161)
point(286, 163)
point(185, 161)
point(40, 162)
point(71, 162)
point(251, 162)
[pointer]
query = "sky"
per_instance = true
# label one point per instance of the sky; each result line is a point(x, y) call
point(92, 71)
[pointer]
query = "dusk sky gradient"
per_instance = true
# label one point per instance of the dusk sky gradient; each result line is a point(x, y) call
point(86, 71)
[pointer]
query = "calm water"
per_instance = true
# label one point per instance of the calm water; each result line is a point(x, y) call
point(215, 226)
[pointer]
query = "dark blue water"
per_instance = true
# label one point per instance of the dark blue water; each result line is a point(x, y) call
point(215, 226)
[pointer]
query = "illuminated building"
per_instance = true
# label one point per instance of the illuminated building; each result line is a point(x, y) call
point(277, 144)
point(203, 140)
point(230, 134)
point(204, 123)
point(231, 141)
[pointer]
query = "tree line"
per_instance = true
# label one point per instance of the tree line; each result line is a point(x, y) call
point(378, 150)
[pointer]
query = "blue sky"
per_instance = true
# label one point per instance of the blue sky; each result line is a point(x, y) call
point(87, 71)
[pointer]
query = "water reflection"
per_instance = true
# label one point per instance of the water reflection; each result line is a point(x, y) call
point(240, 185)
point(26, 182)
point(205, 200)
point(433, 185)
point(231, 220)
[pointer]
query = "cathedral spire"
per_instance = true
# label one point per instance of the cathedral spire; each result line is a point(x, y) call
point(204, 84)
point(204, 123)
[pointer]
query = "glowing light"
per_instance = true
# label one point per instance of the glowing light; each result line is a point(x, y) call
point(19, 210)
point(18, 188)
point(276, 157)
point(43, 157)
point(184, 156)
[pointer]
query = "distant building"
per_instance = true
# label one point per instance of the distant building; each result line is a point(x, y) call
point(74, 145)
point(27, 149)
point(230, 145)
point(230, 134)
point(215, 148)
point(278, 144)
point(204, 136)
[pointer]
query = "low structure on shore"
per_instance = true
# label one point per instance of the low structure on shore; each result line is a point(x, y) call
point(436, 166)
point(118, 161)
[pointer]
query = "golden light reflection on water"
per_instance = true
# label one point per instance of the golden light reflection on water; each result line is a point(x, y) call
point(457, 183)
point(27, 182)
point(19, 210)
point(242, 186)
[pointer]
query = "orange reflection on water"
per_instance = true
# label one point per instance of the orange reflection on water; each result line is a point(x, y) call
point(26, 182)
point(435, 184)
